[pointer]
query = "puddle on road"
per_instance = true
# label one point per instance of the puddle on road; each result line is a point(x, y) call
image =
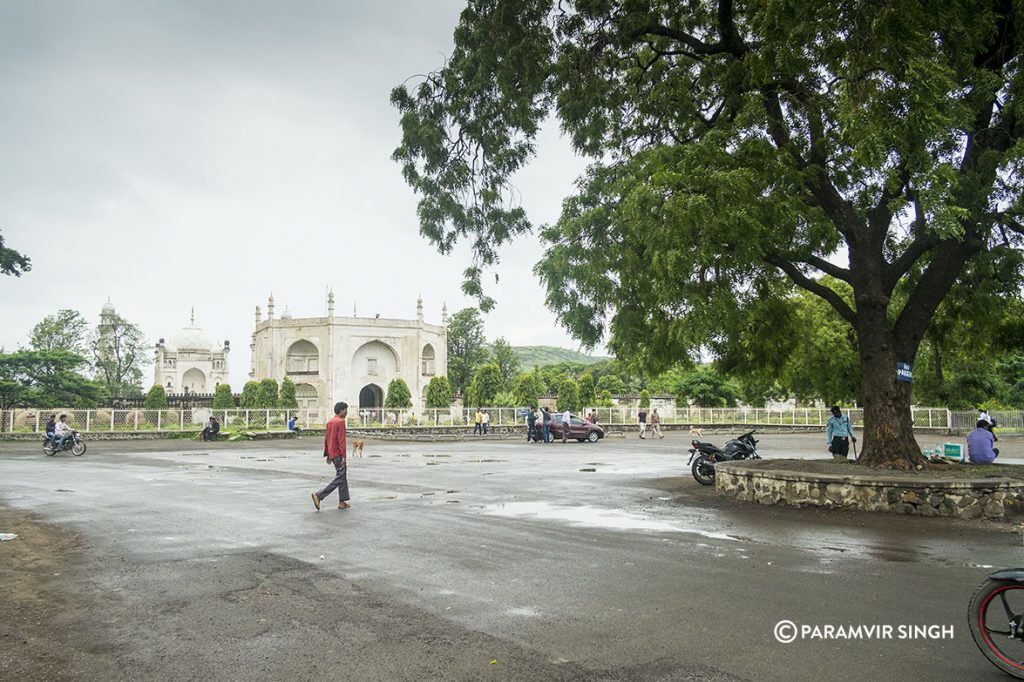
point(594, 517)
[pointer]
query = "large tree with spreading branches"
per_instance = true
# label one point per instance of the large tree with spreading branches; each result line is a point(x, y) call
point(740, 150)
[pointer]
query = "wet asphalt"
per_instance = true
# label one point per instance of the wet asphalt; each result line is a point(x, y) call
point(495, 560)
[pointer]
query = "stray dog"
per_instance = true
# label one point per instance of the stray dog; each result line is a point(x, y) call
point(694, 431)
point(357, 447)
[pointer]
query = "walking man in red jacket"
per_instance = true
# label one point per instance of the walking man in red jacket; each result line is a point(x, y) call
point(336, 451)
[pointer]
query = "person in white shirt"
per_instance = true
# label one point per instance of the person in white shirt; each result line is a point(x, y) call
point(566, 422)
point(62, 431)
point(485, 420)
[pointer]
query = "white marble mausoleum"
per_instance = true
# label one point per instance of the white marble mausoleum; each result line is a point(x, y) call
point(350, 359)
point(191, 363)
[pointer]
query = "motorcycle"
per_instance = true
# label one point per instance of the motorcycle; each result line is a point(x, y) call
point(996, 620)
point(73, 443)
point(704, 456)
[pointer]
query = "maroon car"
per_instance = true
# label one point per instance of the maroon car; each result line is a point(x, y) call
point(578, 429)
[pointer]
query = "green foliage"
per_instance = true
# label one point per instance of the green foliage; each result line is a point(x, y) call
point(46, 379)
point(605, 400)
point(486, 384)
point(505, 399)
point(612, 384)
point(466, 348)
point(266, 396)
point(222, 398)
point(526, 389)
point(976, 383)
point(439, 393)
point(705, 387)
point(12, 262)
point(542, 356)
point(156, 398)
point(645, 398)
point(741, 150)
point(587, 392)
point(286, 394)
point(568, 396)
point(505, 357)
point(398, 394)
point(250, 398)
point(119, 353)
point(64, 330)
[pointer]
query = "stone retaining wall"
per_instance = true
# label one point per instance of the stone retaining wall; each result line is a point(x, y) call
point(990, 498)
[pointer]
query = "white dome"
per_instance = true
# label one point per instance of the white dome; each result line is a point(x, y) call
point(192, 338)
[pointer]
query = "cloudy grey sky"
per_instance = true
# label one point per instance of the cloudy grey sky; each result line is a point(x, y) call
point(174, 153)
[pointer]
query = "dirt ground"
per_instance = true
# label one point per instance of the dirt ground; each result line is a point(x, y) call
point(40, 571)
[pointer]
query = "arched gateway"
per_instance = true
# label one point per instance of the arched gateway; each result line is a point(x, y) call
point(371, 397)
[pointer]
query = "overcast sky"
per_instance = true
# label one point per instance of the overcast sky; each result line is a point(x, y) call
point(170, 154)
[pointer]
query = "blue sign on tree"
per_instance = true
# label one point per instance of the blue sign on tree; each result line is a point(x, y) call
point(904, 372)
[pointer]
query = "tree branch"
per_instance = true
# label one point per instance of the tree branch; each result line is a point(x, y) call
point(825, 266)
point(936, 281)
point(805, 282)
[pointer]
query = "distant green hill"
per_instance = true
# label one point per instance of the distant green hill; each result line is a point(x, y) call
point(542, 356)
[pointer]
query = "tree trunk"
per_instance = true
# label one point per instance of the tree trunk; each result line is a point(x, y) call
point(888, 436)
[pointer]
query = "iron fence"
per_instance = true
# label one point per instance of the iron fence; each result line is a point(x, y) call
point(24, 420)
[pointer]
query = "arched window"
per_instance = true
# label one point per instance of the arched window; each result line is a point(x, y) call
point(427, 360)
point(306, 396)
point(303, 358)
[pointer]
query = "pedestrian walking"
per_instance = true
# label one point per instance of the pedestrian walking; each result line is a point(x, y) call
point(531, 425)
point(566, 423)
point(656, 424)
point(641, 420)
point(478, 422)
point(485, 420)
point(838, 434)
point(336, 452)
point(545, 417)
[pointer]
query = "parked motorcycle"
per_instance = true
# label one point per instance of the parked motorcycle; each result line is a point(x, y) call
point(996, 620)
point(704, 456)
point(73, 443)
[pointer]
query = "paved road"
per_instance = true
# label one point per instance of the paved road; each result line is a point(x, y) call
point(575, 561)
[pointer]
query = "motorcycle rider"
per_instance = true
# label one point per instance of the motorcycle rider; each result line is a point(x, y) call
point(62, 431)
point(51, 427)
point(838, 434)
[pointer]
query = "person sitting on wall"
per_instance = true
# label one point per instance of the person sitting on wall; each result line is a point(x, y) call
point(979, 444)
point(211, 430)
point(293, 427)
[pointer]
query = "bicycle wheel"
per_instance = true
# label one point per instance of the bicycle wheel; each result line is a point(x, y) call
point(995, 618)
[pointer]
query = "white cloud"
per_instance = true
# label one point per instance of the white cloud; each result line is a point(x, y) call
point(171, 154)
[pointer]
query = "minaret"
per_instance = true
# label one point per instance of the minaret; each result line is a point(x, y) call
point(107, 314)
point(330, 303)
point(270, 307)
point(192, 319)
point(419, 309)
point(259, 315)
point(444, 315)
point(353, 309)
